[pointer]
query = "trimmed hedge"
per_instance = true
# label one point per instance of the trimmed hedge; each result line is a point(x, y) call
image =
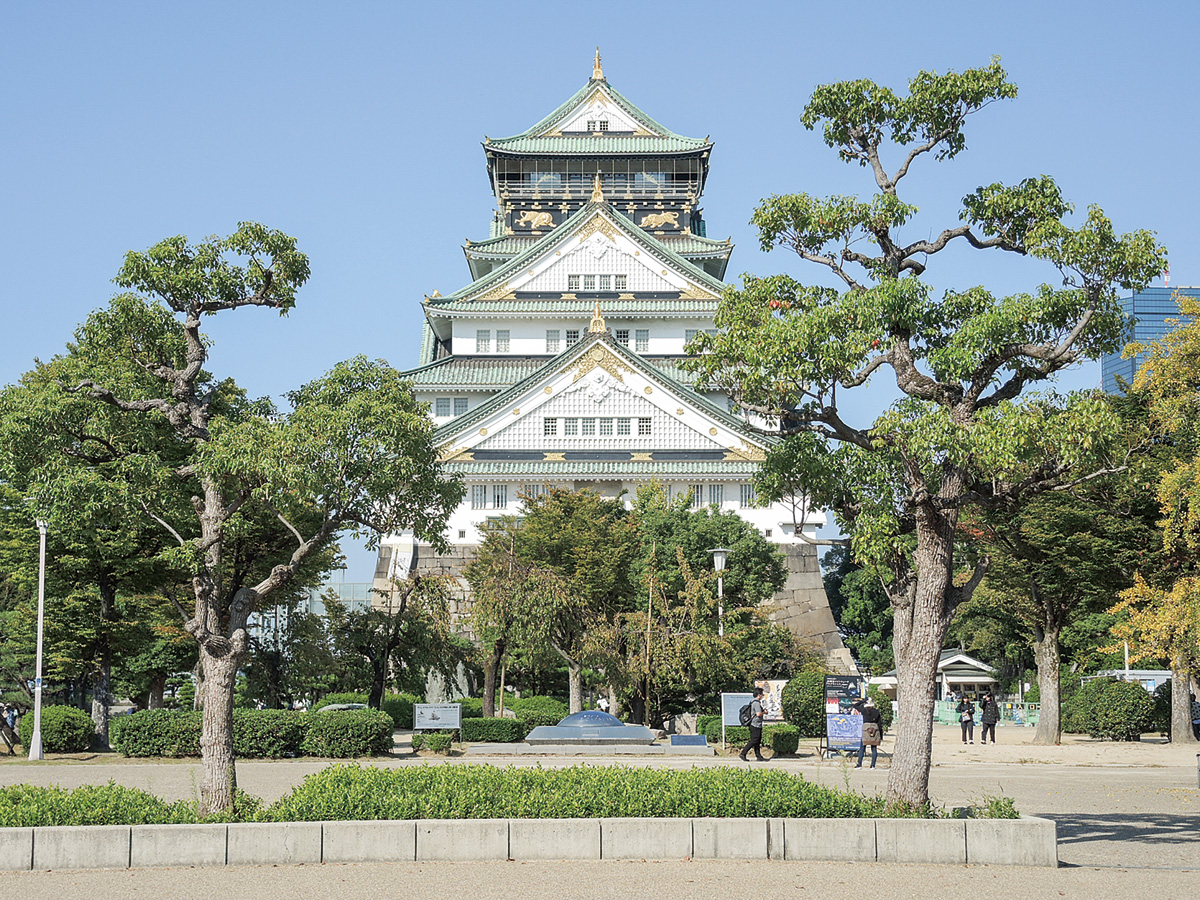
point(267, 733)
point(702, 723)
point(400, 708)
point(504, 731)
point(549, 706)
point(783, 739)
point(157, 732)
point(480, 792)
point(1122, 712)
point(65, 729)
point(803, 701)
point(531, 719)
point(472, 707)
point(350, 732)
point(434, 741)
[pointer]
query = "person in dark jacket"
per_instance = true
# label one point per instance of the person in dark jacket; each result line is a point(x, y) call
point(966, 717)
point(990, 710)
point(872, 730)
point(756, 726)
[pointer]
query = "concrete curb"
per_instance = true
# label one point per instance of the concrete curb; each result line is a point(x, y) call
point(1028, 841)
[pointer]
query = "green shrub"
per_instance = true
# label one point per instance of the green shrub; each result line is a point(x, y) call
point(400, 708)
point(350, 732)
point(531, 719)
point(65, 729)
point(882, 702)
point(434, 741)
point(702, 723)
point(550, 706)
point(1079, 709)
point(803, 701)
point(26, 806)
point(784, 739)
point(474, 792)
point(268, 733)
point(331, 699)
point(1162, 708)
point(1122, 711)
point(504, 731)
point(472, 707)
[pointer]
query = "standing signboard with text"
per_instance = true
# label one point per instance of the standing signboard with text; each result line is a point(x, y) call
point(731, 706)
point(843, 726)
point(437, 716)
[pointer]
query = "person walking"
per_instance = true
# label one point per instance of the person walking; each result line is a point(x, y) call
point(1196, 717)
point(756, 726)
point(966, 717)
point(872, 730)
point(990, 715)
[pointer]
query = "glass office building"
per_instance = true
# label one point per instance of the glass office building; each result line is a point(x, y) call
point(1149, 309)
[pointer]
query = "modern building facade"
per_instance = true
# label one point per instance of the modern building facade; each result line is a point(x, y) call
point(1150, 311)
point(558, 365)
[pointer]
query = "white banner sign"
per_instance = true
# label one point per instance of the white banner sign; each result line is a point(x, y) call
point(432, 716)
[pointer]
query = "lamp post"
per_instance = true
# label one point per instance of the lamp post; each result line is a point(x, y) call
point(35, 743)
point(720, 554)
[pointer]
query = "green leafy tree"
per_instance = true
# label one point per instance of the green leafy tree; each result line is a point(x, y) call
point(354, 452)
point(860, 607)
point(966, 431)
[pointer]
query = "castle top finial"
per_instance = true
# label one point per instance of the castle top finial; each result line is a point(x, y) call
point(597, 326)
point(597, 189)
point(597, 72)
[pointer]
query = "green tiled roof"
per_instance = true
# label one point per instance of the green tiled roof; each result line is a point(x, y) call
point(496, 373)
point(663, 139)
point(505, 244)
point(689, 244)
point(502, 273)
point(582, 470)
point(457, 426)
point(631, 309)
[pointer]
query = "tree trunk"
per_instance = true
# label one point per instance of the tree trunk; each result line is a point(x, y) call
point(378, 683)
point(575, 685)
point(102, 695)
point(1046, 658)
point(218, 788)
point(614, 702)
point(490, 671)
point(198, 675)
point(1181, 706)
point(921, 620)
point(637, 709)
point(158, 685)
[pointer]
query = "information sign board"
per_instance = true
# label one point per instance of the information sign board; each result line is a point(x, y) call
point(843, 732)
point(772, 699)
point(731, 705)
point(435, 716)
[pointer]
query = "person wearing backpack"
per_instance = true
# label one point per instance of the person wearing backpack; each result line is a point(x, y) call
point(755, 710)
point(872, 730)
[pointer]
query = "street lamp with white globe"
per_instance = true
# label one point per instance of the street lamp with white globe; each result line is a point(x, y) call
point(720, 555)
point(35, 743)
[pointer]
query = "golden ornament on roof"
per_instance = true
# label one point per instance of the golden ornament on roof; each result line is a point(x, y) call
point(597, 326)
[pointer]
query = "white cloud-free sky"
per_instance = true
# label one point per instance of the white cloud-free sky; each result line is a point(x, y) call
point(355, 127)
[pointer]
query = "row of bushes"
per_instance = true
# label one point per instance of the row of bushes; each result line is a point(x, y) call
point(398, 706)
point(65, 729)
point(257, 734)
point(781, 737)
point(471, 792)
point(1110, 710)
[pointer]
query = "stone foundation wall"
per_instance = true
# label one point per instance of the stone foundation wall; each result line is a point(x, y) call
point(801, 606)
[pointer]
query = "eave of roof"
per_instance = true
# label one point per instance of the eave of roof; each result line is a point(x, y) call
point(482, 373)
point(583, 469)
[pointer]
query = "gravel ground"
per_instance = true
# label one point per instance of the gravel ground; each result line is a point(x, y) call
point(1128, 823)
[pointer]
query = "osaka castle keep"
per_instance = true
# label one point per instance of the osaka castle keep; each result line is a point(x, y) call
point(558, 364)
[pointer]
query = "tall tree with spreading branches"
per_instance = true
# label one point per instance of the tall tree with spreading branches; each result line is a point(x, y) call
point(355, 452)
point(966, 430)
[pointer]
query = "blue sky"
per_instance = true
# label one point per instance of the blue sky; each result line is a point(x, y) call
point(356, 128)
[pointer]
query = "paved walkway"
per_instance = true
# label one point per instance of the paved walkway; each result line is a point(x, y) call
point(1128, 817)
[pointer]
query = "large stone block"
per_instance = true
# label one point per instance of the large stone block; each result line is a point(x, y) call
point(635, 838)
point(1028, 841)
point(730, 839)
point(376, 841)
point(829, 839)
point(282, 843)
point(462, 839)
point(81, 847)
point(554, 838)
point(16, 849)
point(177, 845)
point(921, 840)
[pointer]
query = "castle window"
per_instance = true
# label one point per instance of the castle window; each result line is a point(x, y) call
point(689, 334)
point(587, 427)
point(605, 283)
point(552, 340)
point(462, 534)
point(549, 427)
point(623, 426)
point(643, 427)
point(619, 282)
point(622, 335)
point(502, 341)
point(478, 496)
point(441, 406)
point(572, 336)
point(572, 282)
point(570, 427)
point(604, 124)
point(591, 125)
point(606, 427)
point(697, 496)
point(716, 494)
point(641, 340)
point(747, 496)
point(533, 491)
point(483, 340)
point(589, 282)
point(460, 405)
point(500, 495)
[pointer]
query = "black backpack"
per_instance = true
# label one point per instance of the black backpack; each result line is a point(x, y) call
point(745, 715)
